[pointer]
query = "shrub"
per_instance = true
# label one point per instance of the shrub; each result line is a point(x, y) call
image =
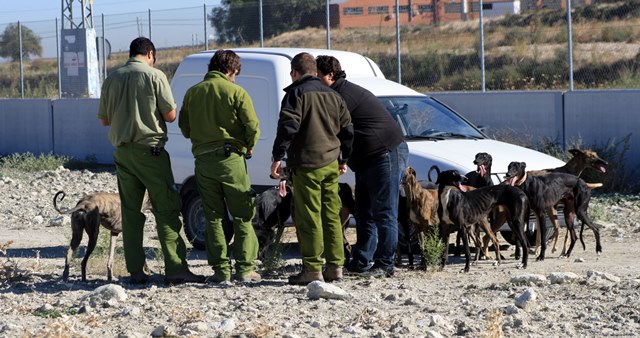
point(433, 248)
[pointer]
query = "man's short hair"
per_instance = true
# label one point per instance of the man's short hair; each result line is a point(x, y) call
point(141, 46)
point(304, 63)
point(225, 61)
point(328, 64)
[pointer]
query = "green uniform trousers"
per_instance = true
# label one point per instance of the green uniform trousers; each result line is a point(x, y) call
point(138, 170)
point(317, 211)
point(224, 179)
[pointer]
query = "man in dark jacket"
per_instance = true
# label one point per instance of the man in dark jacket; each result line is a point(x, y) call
point(378, 160)
point(315, 132)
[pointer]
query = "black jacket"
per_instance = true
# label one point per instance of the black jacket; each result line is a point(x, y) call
point(375, 131)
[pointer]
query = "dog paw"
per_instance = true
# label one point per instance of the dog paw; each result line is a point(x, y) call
point(496, 263)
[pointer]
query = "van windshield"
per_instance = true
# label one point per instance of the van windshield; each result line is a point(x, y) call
point(425, 118)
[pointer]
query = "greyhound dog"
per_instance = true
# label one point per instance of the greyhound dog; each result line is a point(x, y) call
point(421, 205)
point(581, 160)
point(469, 208)
point(545, 191)
point(274, 207)
point(91, 211)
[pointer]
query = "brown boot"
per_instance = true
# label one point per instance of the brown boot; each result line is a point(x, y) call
point(332, 273)
point(305, 277)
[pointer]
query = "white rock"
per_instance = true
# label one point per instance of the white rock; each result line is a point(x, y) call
point(529, 279)
point(318, 289)
point(106, 294)
point(527, 299)
point(56, 221)
point(563, 277)
point(197, 326)
point(597, 277)
point(226, 325)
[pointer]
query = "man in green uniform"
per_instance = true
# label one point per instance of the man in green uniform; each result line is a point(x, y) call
point(219, 118)
point(136, 102)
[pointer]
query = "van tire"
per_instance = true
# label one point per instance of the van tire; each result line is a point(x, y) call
point(195, 221)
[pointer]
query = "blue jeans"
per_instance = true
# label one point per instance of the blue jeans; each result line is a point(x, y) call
point(377, 191)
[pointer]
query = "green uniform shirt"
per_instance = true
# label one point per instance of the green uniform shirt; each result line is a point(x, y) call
point(216, 111)
point(133, 99)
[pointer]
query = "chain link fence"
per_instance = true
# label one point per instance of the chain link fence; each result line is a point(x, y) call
point(441, 48)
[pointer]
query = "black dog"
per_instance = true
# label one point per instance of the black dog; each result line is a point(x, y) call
point(273, 211)
point(546, 191)
point(481, 177)
point(469, 208)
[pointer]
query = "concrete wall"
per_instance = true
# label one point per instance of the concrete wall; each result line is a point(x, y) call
point(70, 126)
point(77, 131)
point(25, 126)
point(520, 114)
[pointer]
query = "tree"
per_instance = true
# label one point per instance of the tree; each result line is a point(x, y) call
point(10, 42)
point(238, 21)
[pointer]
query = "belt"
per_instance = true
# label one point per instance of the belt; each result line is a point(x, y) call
point(141, 146)
point(221, 151)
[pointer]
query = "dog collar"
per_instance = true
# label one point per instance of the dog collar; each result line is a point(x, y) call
point(521, 181)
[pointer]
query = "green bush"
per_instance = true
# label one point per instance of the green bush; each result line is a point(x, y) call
point(29, 162)
point(433, 248)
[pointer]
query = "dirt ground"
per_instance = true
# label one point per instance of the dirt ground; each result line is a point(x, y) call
point(582, 296)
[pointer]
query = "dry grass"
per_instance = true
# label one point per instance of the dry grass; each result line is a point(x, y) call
point(10, 271)
point(494, 326)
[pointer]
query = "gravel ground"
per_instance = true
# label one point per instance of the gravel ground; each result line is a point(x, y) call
point(581, 296)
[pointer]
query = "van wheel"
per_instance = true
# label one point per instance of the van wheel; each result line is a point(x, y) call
point(195, 222)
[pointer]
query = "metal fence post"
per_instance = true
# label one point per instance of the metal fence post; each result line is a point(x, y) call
point(570, 47)
point(58, 58)
point(328, 25)
point(482, 70)
point(21, 65)
point(261, 25)
point(104, 51)
point(206, 37)
point(399, 64)
point(150, 24)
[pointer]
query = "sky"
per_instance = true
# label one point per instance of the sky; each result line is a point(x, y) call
point(36, 10)
point(173, 22)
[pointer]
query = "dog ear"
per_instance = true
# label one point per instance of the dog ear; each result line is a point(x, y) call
point(524, 165)
point(574, 152)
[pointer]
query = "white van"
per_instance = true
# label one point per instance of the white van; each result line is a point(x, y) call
point(436, 135)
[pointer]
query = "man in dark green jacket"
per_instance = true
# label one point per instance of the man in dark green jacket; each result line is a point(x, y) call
point(219, 118)
point(315, 131)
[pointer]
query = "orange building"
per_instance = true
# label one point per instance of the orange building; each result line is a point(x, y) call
point(368, 13)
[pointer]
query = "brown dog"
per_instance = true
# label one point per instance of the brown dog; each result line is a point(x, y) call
point(422, 207)
point(581, 160)
point(91, 211)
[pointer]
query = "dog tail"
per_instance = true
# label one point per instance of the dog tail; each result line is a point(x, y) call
point(56, 200)
point(594, 185)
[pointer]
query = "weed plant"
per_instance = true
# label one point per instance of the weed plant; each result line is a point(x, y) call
point(433, 248)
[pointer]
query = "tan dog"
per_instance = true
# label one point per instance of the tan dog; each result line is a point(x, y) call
point(91, 211)
point(581, 160)
point(422, 205)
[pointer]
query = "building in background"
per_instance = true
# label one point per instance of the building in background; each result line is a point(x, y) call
point(368, 13)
